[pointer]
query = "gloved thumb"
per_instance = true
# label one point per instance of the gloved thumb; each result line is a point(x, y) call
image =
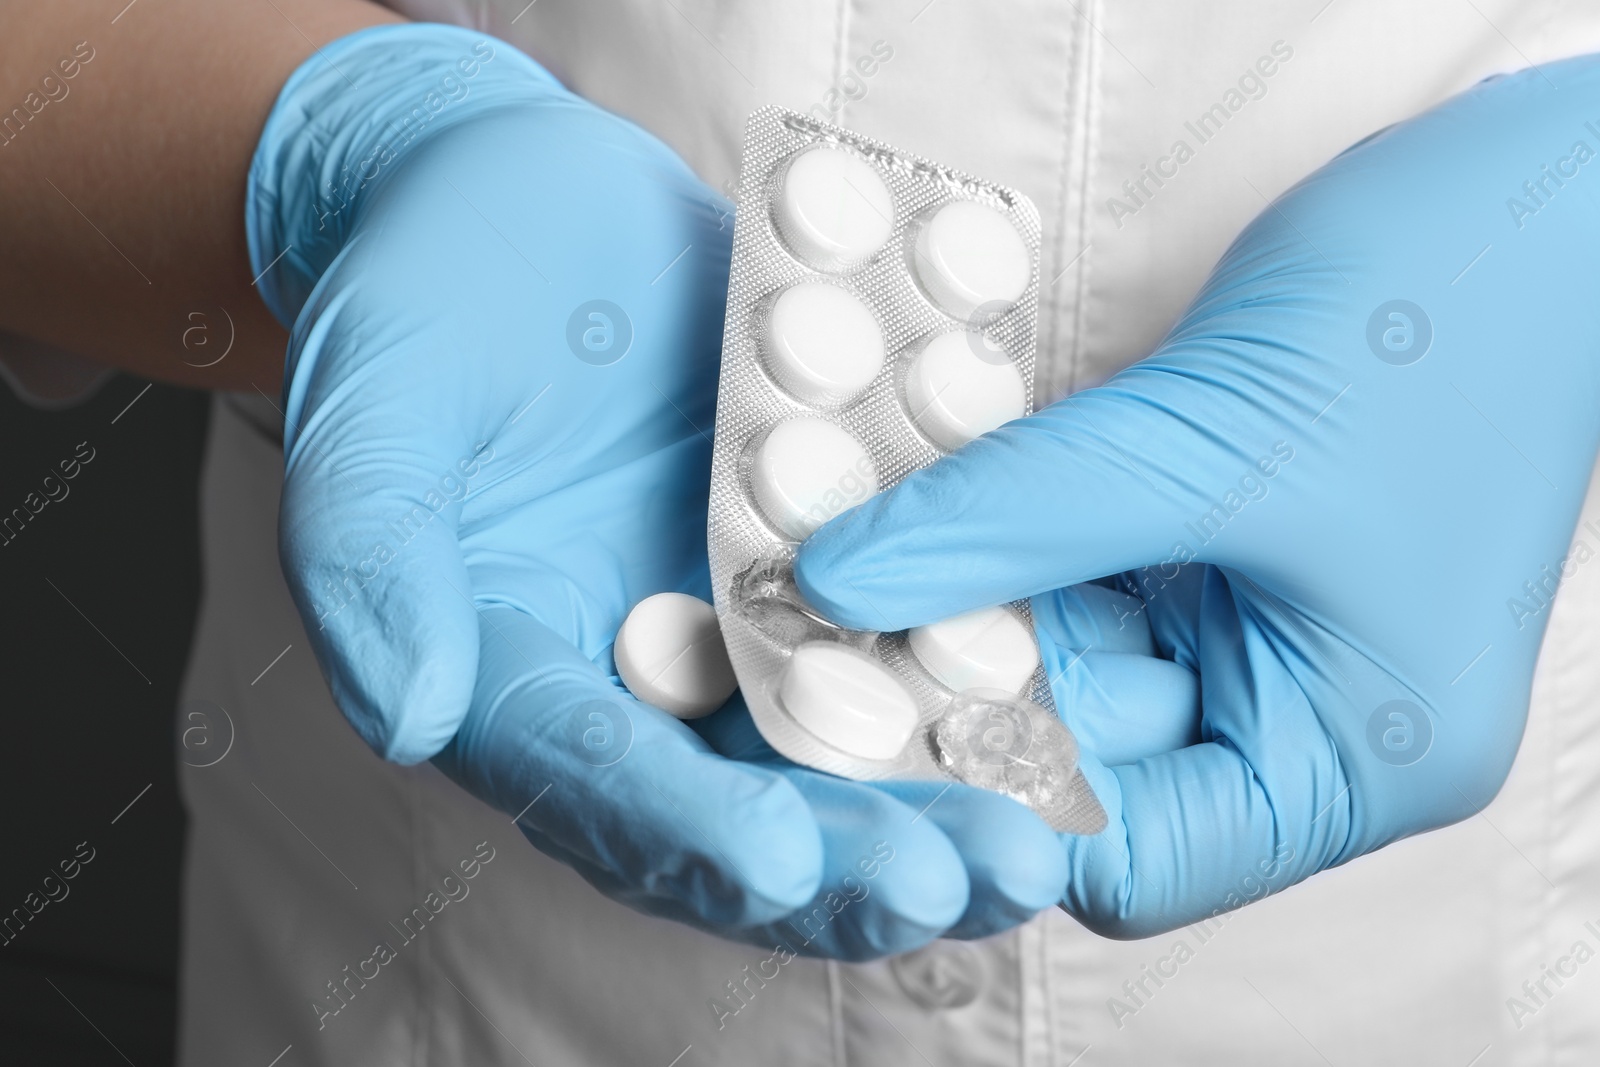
point(1136, 472)
point(367, 532)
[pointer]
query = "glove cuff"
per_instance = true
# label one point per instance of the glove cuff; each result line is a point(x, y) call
point(346, 118)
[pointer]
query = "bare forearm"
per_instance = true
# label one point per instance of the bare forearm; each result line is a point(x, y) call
point(125, 138)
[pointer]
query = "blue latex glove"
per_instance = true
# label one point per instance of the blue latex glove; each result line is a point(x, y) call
point(507, 315)
point(1330, 517)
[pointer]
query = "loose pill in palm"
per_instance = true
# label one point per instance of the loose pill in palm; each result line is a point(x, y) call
point(670, 653)
point(848, 699)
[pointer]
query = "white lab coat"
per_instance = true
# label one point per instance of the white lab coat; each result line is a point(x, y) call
point(307, 852)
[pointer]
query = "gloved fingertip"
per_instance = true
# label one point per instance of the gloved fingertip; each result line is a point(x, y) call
point(411, 718)
point(929, 890)
point(829, 573)
point(781, 855)
point(423, 726)
point(1103, 885)
point(765, 855)
point(925, 906)
point(1039, 881)
point(395, 635)
point(1025, 869)
point(1015, 864)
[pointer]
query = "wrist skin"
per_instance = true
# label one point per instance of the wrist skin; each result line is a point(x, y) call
point(121, 197)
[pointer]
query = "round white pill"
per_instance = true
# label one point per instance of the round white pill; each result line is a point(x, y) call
point(989, 648)
point(670, 653)
point(969, 256)
point(808, 470)
point(832, 208)
point(960, 386)
point(848, 699)
point(823, 344)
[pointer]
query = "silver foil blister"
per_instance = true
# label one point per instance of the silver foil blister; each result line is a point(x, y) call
point(1014, 744)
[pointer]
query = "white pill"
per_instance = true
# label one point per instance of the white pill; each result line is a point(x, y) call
point(989, 648)
point(960, 386)
point(968, 256)
point(670, 653)
point(848, 699)
point(823, 344)
point(808, 470)
point(832, 209)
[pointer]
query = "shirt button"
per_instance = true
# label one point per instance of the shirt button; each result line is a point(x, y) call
point(944, 975)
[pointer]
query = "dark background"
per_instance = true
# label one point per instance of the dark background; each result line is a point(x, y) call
point(89, 720)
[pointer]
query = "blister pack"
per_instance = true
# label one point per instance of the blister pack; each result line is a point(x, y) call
point(882, 311)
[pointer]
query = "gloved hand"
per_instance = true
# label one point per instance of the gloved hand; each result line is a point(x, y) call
point(507, 315)
point(1334, 502)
